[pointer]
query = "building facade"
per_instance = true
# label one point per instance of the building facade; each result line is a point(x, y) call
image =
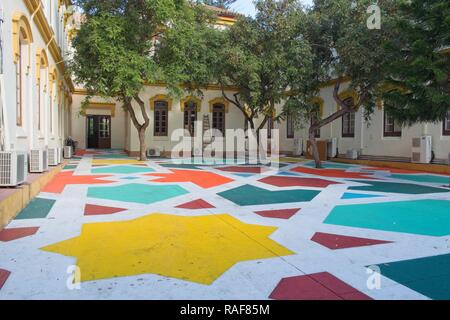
point(41, 105)
point(36, 94)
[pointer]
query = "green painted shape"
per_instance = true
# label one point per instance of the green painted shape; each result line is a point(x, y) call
point(122, 169)
point(70, 167)
point(179, 166)
point(38, 208)
point(248, 195)
point(329, 165)
point(138, 193)
point(425, 217)
point(426, 178)
point(429, 276)
point(394, 187)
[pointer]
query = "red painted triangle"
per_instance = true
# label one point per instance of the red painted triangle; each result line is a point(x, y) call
point(17, 233)
point(4, 274)
point(336, 241)
point(279, 214)
point(196, 204)
point(92, 210)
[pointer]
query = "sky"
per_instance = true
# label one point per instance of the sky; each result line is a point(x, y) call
point(246, 6)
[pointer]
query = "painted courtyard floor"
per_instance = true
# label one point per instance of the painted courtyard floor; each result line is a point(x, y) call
point(162, 230)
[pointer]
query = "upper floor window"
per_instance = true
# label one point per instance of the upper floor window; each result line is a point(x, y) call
point(190, 116)
point(218, 117)
point(161, 115)
point(446, 124)
point(391, 127)
point(348, 125)
point(289, 126)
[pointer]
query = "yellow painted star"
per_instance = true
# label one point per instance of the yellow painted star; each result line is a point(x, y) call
point(197, 249)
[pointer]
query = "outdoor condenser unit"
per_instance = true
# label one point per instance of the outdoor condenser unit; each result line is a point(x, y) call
point(421, 149)
point(67, 152)
point(38, 160)
point(54, 156)
point(13, 168)
point(298, 147)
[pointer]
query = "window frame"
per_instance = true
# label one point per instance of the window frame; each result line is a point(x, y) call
point(159, 108)
point(290, 131)
point(215, 110)
point(350, 117)
point(392, 133)
point(445, 130)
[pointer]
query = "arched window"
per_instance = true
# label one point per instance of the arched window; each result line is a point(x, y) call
point(161, 115)
point(41, 78)
point(190, 106)
point(348, 120)
point(218, 117)
point(52, 95)
point(22, 39)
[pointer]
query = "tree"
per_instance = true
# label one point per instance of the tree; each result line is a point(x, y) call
point(417, 86)
point(346, 51)
point(115, 47)
point(220, 3)
point(256, 57)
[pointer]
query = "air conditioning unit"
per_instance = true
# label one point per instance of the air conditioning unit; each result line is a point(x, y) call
point(54, 156)
point(298, 147)
point(67, 152)
point(421, 149)
point(38, 160)
point(448, 159)
point(154, 152)
point(332, 148)
point(13, 168)
point(352, 154)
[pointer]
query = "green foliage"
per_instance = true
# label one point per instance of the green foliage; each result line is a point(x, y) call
point(220, 3)
point(264, 57)
point(418, 87)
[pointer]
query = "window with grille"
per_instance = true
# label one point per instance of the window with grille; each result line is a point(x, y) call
point(218, 118)
point(161, 114)
point(446, 124)
point(190, 116)
point(391, 127)
point(289, 126)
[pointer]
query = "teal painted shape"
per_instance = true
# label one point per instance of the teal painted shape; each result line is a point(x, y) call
point(248, 195)
point(425, 217)
point(426, 178)
point(349, 195)
point(135, 192)
point(122, 169)
point(111, 156)
point(38, 208)
point(429, 276)
point(180, 166)
point(394, 187)
point(245, 175)
point(130, 178)
point(329, 165)
point(287, 173)
point(69, 167)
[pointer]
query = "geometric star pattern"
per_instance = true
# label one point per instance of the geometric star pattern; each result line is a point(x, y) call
point(202, 179)
point(197, 249)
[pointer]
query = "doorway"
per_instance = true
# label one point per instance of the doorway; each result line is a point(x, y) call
point(98, 132)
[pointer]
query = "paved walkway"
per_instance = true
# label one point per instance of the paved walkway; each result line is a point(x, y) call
point(111, 227)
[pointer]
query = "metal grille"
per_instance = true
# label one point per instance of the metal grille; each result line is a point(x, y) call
point(416, 156)
point(416, 142)
point(36, 164)
point(52, 157)
point(5, 168)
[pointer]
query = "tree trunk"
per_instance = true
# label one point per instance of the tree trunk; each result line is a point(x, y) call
point(141, 128)
point(142, 144)
point(315, 150)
